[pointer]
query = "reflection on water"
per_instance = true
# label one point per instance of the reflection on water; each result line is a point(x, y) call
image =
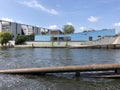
point(44, 57)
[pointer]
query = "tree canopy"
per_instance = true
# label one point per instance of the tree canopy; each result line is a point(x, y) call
point(5, 37)
point(68, 29)
point(20, 39)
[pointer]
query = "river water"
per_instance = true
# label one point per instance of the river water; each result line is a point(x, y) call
point(47, 57)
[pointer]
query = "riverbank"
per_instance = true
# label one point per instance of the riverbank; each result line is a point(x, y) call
point(104, 42)
point(42, 46)
point(110, 46)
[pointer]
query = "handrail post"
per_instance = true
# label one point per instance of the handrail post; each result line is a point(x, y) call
point(117, 71)
point(77, 74)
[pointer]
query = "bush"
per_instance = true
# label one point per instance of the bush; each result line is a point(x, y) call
point(5, 37)
point(20, 39)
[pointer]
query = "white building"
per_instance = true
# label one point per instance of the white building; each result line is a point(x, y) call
point(17, 28)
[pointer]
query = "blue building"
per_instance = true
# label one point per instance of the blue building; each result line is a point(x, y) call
point(83, 36)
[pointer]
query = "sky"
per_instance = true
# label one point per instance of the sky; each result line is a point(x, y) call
point(54, 14)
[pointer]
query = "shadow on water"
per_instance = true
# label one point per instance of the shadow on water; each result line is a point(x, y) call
point(56, 82)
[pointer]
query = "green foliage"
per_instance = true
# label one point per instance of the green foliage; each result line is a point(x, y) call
point(43, 33)
point(30, 37)
point(118, 34)
point(68, 29)
point(52, 39)
point(66, 39)
point(5, 37)
point(85, 31)
point(20, 39)
point(89, 30)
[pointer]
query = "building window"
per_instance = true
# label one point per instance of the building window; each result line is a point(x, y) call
point(90, 38)
point(6, 26)
point(99, 36)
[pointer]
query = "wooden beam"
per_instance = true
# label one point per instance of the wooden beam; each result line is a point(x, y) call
point(60, 69)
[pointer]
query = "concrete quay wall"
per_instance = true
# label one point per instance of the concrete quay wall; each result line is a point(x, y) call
point(104, 42)
point(54, 44)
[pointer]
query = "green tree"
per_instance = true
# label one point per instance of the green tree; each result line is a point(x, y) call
point(66, 39)
point(68, 29)
point(30, 37)
point(20, 39)
point(118, 34)
point(43, 33)
point(52, 39)
point(5, 37)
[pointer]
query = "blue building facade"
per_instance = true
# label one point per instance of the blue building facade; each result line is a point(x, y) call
point(83, 36)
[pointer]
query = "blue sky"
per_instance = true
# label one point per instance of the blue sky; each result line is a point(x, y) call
point(82, 14)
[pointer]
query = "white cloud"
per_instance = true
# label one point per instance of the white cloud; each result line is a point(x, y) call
point(69, 23)
point(92, 19)
point(37, 5)
point(117, 24)
point(53, 27)
point(82, 28)
point(7, 19)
